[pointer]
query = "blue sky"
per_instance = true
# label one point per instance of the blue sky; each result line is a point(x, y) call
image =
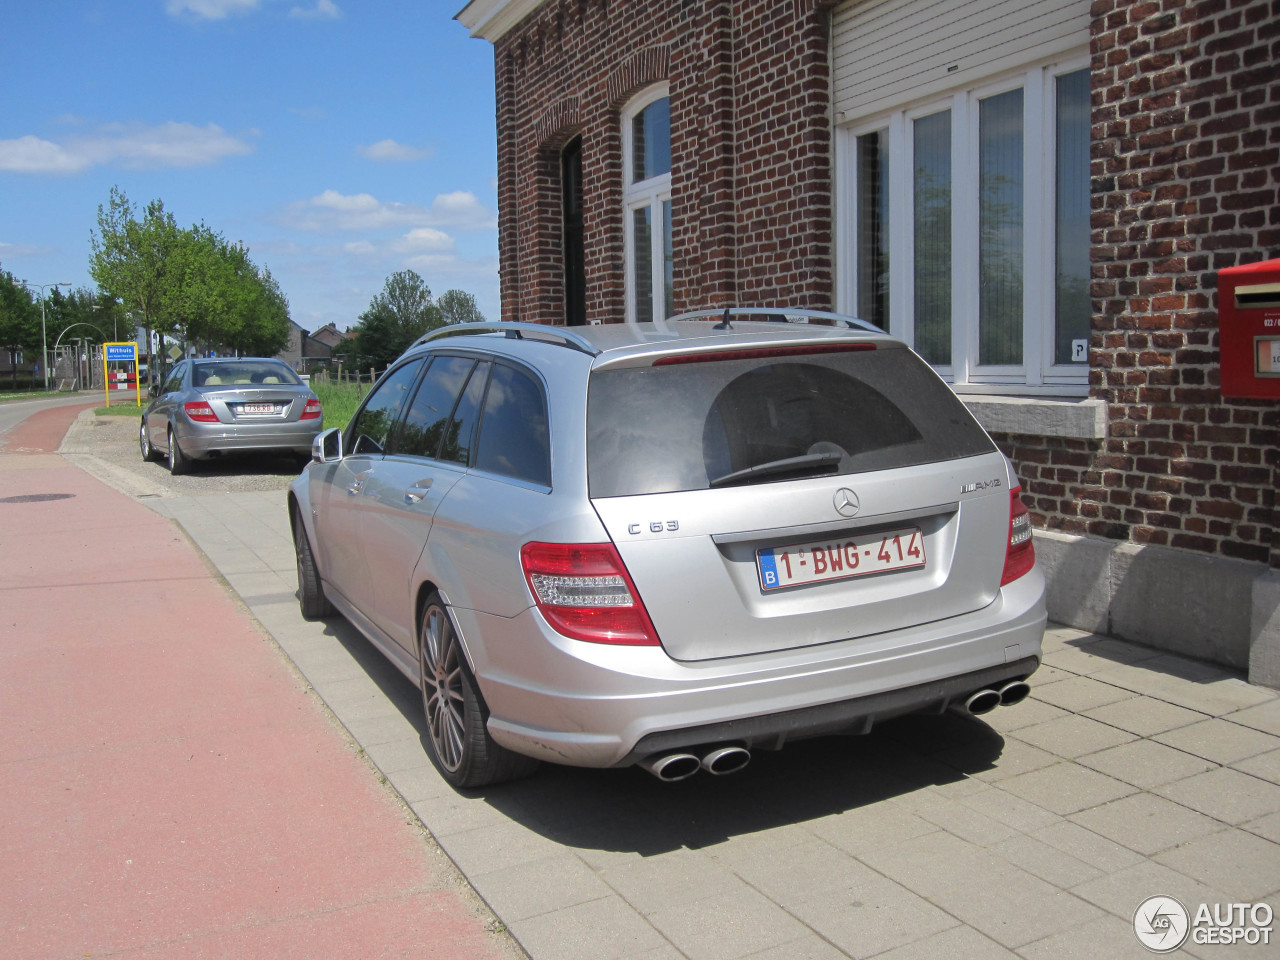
point(339, 140)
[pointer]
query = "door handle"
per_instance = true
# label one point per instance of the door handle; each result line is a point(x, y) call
point(357, 484)
point(417, 491)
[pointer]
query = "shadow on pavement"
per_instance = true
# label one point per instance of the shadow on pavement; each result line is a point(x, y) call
point(629, 810)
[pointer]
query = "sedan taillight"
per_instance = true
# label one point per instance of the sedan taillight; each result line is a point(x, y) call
point(199, 411)
point(311, 411)
point(584, 591)
point(1020, 556)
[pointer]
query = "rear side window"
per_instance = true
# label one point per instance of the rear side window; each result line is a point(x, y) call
point(699, 425)
point(514, 440)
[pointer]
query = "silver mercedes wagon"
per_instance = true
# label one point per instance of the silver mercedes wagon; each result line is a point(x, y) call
point(670, 544)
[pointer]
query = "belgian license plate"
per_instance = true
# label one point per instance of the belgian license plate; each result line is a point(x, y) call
point(259, 408)
point(820, 561)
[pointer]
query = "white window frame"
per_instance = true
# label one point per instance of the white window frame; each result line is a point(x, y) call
point(651, 193)
point(1038, 373)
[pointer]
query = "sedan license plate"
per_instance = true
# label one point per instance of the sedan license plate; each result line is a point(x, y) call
point(258, 408)
point(820, 561)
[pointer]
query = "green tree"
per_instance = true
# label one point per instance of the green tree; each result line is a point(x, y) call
point(129, 259)
point(458, 306)
point(396, 317)
point(19, 320)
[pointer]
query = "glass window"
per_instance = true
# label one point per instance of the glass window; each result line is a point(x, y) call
point(174, 383)
point(992, 185)
point(651, 141)
point(1000, 229)
point(368, 431)
point(932, 193)
point(873, 228)
point(1073, 310)
point(462, 426)
point(514, 440)
point(693, 426)
point(646, 132)
point(428, 415)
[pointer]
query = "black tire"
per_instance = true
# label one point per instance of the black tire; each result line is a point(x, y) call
point(178, 464)
point(458, 740)
point(311, 599)
point(149, 453)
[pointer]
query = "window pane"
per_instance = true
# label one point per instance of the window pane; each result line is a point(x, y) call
point(873, 228)
point(513, 433)
point(932, 193)
point(668, 263)
point(1073, 309)
point(424, 424)
point(651, 141)
point(1000, 229)
point(457, 439)
point(642, 261)
point(367, 433)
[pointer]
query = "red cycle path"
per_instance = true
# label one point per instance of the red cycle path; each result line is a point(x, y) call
point(168, 789)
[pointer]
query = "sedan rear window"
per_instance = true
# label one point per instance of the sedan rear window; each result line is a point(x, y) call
point(699, 425)
point(242, 373)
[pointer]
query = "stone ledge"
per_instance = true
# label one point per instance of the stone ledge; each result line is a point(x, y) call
point(1082, 419)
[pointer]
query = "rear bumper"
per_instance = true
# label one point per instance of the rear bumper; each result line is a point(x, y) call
point(211, 439)
point(597, 705)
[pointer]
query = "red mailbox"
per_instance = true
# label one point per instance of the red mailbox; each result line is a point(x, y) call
point(1249, 330)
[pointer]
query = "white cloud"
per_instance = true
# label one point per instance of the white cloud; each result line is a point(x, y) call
point(333, 211)
point(9, 251)
point(323, 10)
point(423, 239)
point(390, 150)
point(360, 248)
point(130, 145)
point(209, 9)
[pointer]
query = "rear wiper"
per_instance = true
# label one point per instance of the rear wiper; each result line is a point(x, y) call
point(810, 463)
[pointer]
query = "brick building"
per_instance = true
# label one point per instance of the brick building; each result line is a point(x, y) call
point(1035, 195)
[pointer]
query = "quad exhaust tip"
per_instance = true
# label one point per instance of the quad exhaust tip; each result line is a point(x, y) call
point(672, 767)
point(986, 700)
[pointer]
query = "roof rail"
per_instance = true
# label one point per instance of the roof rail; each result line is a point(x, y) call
point(780, 315)
point(516, 331)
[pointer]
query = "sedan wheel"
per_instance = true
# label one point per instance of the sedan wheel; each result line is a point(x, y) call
point(457, 735)
point(178, 464)
point(149, 454)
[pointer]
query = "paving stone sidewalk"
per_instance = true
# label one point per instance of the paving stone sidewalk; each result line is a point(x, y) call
point(1034, 833)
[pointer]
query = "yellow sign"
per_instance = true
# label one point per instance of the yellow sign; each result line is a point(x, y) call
point(122, 378)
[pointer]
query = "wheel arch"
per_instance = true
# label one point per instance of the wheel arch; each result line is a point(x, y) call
point(425, 589)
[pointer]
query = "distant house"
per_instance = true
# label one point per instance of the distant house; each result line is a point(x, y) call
point(304, 351)
point(330, 336)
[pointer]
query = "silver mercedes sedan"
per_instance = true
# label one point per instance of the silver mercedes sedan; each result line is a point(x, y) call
point(670, 544)
point(207, 408)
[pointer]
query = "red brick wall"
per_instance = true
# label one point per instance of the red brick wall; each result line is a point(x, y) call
point(751, 148)
point(1186, 163)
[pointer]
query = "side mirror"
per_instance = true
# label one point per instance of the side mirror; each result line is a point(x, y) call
point(153, 389)
point(327, 446)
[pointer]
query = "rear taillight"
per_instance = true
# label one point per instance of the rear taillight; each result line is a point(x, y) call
point(311, 411)
point(584, 592)
point(1020, 556)
point(199, 411)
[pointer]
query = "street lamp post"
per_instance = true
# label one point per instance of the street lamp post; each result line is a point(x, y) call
point(44, 342)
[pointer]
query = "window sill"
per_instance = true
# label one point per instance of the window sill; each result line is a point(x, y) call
point(1080, 419)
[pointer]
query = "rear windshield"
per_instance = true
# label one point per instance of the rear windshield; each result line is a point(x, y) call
point(242, 373)
point(728, 422)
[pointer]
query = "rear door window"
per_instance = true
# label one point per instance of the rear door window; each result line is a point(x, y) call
point(514, 440)
point(691, 426)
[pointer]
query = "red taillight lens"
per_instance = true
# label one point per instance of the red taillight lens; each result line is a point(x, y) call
point(311, 411)
point(200, 412)
point(760, 353)
point(1020, 556)
point(585, 593)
